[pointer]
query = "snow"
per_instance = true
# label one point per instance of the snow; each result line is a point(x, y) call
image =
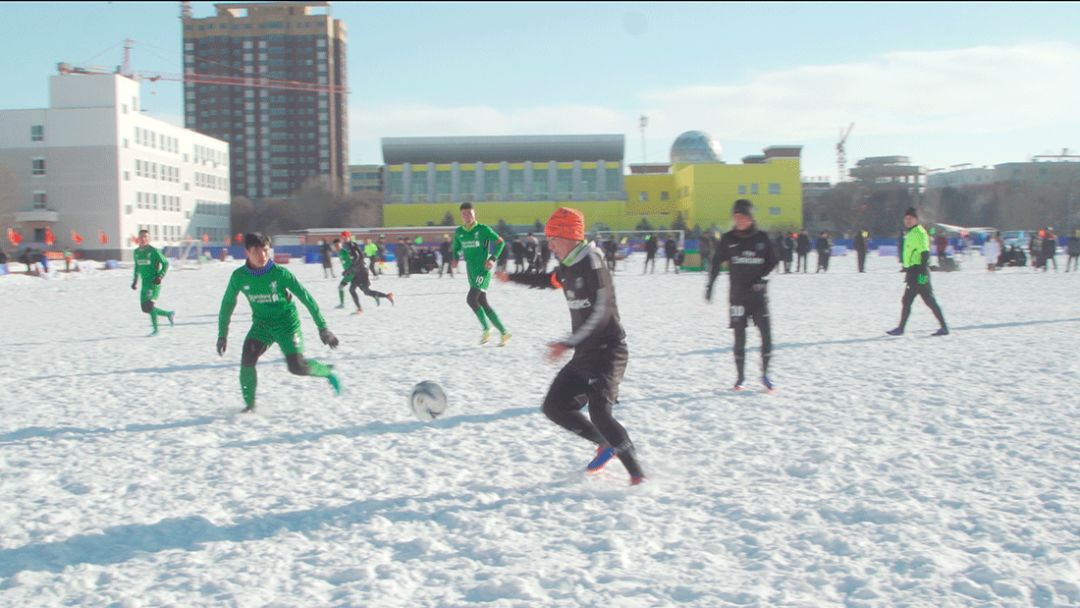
point(885, 471)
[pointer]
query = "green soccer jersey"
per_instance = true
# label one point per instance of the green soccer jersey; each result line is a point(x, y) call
point(475, 243)
point(916, 241)
point(150, 264)
point(269, 291)
point(346, 259)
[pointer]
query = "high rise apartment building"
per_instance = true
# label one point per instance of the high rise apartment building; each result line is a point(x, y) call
point(287, 120)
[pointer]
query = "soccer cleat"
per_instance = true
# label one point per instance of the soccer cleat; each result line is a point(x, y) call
point(390, 296)
point(334, 383)
point(637, 481)
point(340, 306)
point(170, 317)
point(152, 333)
point(895, 332)
point(503, 339)
point(249, 409)
point(359, 311)
point(769, 386)
point(740, 384)
point(604, 453)
point(485, 336)
point(944, 331)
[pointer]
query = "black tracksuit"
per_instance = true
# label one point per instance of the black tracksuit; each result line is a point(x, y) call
point(593, 374)
point(445, 253)
point(802, 249)
point(751, 258)
point(860, 250)
point(362, 280)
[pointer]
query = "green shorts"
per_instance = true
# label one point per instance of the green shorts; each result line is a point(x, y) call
point(149, 291)
point(285, 333)
point(481, 280)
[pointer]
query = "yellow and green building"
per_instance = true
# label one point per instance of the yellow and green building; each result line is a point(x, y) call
point(522, 179)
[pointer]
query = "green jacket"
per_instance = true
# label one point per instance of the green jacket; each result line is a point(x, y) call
point(916, 241)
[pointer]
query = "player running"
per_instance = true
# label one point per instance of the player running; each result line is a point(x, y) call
point(594, 372)
point(350, 254)
point(151, 265)
point(269, 289)
point(475, 241)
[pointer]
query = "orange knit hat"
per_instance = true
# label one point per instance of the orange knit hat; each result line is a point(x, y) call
point(566, 223)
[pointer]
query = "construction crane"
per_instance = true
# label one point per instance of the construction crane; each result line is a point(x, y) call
point(253, 81)
point(841, 155)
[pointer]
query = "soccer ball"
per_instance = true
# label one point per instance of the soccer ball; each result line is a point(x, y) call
point(427, 400)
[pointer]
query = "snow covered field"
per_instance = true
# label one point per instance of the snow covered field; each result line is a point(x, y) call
point(909, 471)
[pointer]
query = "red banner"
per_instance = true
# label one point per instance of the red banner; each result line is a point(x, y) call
point(14, 237)
point(76, 237)
point(102, 237)
point(50, 238)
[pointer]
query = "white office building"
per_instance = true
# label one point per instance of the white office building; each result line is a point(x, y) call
point(94, 164)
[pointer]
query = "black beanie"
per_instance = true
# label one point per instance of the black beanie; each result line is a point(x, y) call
point(743, 207)
point(911, 211)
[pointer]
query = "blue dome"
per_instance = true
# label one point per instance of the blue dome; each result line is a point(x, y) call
point(696, 147)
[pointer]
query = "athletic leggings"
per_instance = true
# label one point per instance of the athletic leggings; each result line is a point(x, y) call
point(927, 293)
point(593, 381)
point(478, 299)
point(368, 291)
point(253, 349)
point(759, 312)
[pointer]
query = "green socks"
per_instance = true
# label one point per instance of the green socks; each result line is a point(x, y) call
point(248, 380)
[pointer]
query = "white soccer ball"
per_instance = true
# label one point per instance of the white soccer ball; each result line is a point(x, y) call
point(427, 400)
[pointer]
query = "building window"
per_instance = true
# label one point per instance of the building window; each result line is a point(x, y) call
point(774, 211)
point(37, 132)
point(643, 197)
point(753, 188)
point(774, 188)
point(40, 200)
point(664, 195)
point(37, 166)
point(742, 188)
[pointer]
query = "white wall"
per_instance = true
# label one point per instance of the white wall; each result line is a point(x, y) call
point(93, 157)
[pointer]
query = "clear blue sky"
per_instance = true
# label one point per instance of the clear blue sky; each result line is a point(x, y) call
point(942, 83)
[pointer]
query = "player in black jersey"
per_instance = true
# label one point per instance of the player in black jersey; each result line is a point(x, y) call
point(751, 258)
point(593, 374)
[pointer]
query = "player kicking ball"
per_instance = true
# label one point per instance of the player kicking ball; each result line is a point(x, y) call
point(593, 374)
point(269, 289)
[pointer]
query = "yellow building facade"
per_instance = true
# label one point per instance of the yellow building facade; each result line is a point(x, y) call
point(426, 178)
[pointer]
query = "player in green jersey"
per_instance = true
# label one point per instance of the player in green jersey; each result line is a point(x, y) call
point(269, 289)
point(151, 266)
point(475, 241)
point(350, 254)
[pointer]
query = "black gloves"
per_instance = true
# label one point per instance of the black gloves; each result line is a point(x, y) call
point(157, 280)
point(328, 338)
point(221, 342)
point(708, 292)
point(133, 283)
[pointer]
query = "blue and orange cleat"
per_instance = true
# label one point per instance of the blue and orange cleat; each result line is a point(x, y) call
point(604, 453)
